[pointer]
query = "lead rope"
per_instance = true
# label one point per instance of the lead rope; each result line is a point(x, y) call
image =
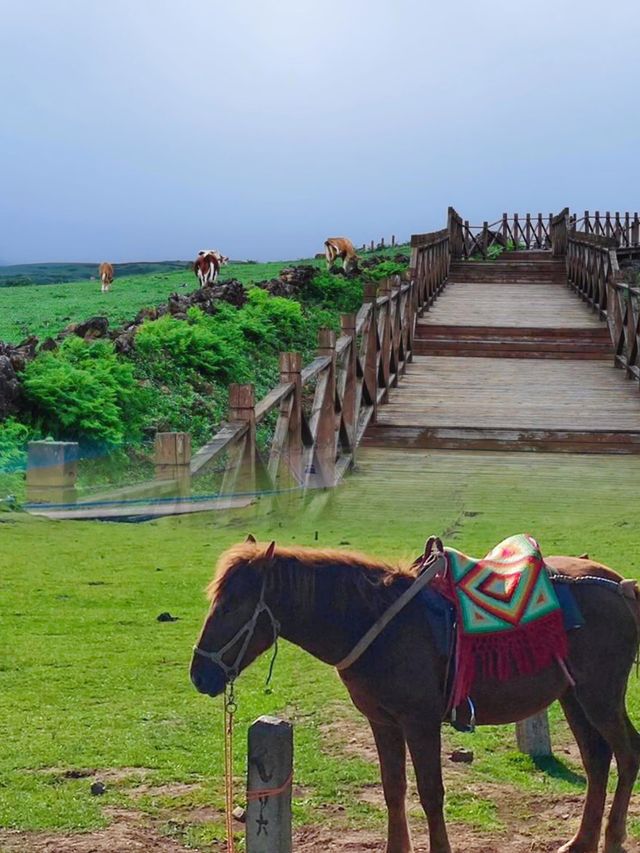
point(229, 710)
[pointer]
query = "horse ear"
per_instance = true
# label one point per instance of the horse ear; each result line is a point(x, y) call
point(268, 554)
point(251, 538)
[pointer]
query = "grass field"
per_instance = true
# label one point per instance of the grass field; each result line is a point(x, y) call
point(90, 681)
point(44, 310)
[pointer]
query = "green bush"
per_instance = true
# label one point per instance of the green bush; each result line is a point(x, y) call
point(85, 392)
point(385, 269)
point(13, 440)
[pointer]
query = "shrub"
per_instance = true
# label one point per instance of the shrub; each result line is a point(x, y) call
point(85, 392)
point(385, 269)
point(210, 345)
point(13, 439)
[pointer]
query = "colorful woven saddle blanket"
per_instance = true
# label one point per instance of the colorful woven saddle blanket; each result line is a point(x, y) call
point(509, 619)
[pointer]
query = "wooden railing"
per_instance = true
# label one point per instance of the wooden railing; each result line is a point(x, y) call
point(529, 231)
point(316, 414)
point(593, 271)
point(623, 228)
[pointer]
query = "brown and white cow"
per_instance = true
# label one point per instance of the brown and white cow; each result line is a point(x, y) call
point(105, 271)
point(340, 247)
point(207, 266)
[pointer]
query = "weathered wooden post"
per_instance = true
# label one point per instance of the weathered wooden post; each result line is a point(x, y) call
point(172, 456)
point(290, 371)
point(241, 465)
point(385, 336)
point(393, 241)
point(52, 471)
point(485, 238)
point(533, 736)
point(505, 228)
point(326, 436)
point(516, 228)
point(348, 380)
point(269, 779)
point(635, 230)
point(382, 242)
point(371, 348)
point(372, 245)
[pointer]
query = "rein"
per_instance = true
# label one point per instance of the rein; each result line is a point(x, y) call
point(434, 563)
point(230, 706)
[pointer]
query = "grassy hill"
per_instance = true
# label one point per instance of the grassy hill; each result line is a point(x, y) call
point(46, 309)
point(19, 275)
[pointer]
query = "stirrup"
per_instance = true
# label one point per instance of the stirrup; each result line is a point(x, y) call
point(467, 728)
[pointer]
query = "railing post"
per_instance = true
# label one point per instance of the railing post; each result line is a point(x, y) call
point(172, 455)
point(371, 348)
point(349, 413)
point(393, 241)
point(533, 736)
point(269, 782)
point(505, 228)
point(516, 228)
point(325, 438)
point(241, 472)
point(559, 233)
point(52, 471)
point(485, 238)
point(635, 230)
point(385, 337)
point(455, 235)
point(290, 370)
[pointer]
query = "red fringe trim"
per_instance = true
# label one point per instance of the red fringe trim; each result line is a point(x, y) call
point(523, 650)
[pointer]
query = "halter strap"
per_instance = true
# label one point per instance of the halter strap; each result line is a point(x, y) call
point(231, 672)
point(431, 566)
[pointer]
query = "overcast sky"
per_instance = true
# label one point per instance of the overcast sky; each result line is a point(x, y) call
point(147, 129)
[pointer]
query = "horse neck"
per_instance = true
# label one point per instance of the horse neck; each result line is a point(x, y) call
point(321, 609)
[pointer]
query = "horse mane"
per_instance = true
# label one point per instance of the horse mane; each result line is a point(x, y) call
point(366, 570)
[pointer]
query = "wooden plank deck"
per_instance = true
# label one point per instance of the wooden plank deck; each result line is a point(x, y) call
point(514, 366)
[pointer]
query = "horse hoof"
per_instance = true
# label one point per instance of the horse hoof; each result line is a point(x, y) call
point(578, 847)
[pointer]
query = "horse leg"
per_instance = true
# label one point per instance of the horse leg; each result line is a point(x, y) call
point(625, 742)
point(393, 757)
point(596, 757)
point(608, 715)
point(424, 746)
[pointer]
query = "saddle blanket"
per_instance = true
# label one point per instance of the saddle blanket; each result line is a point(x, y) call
point(509, 620)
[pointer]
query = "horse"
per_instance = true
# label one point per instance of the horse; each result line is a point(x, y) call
point(325, 601)
point(341, 247)
point(105, 272)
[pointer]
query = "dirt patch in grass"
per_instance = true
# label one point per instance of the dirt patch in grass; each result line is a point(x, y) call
point(128, 833)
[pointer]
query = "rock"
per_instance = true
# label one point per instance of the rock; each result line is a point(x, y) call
point(240, 814)
point(124, 343)
point(167, 617)
point(462, 756)
point(48, 345)
point(98, 788)
point(93, 328)
point(9, 387)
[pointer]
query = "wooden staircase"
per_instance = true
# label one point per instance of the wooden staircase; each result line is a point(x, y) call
point(508, 358)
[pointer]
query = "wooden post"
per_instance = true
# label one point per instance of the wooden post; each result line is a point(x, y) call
point(372, 246)
point(172, 457)
point(241, 469)
point(324, 423)
point(269, 769)
point(371, 349)
point(290, 368)
point(635, 230)
point(52, 471)
point(516, 227)
point(382, 242)
point(505, 228)
point(533, 736)
point(349, 408)
point(393, 240)
point(485, 238)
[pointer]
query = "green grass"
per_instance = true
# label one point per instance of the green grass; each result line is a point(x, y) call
point(89, 678)
point(45, 310)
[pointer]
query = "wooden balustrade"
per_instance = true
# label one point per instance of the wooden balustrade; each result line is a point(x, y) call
point(623, 228)
point(531, 231)
point(593, 271)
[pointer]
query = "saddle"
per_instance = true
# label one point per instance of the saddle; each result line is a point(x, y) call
point(509, 620)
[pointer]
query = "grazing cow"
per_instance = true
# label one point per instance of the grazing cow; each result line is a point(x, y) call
point(341, 247)
point(206, 266)
point(105, 271)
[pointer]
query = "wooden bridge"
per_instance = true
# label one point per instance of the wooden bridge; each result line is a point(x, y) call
point(521, 334)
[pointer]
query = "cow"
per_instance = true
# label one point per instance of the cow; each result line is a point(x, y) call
point(341, 247)
point(223, 259)
point(105, 272)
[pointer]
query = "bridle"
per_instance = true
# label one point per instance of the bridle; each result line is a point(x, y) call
point(232, 671)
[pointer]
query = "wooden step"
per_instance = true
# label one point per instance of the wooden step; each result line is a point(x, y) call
point(484, 438)
point(512, 342)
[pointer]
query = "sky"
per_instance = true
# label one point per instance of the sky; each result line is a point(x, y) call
point(147, 129)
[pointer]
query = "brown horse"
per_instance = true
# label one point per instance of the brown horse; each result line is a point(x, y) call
point(325, 601)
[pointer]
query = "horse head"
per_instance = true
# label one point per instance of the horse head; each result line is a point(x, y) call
point(240, 625)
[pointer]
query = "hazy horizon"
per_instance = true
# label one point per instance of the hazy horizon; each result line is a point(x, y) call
point(133, 132)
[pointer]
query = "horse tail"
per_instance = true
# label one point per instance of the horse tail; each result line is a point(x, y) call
point(631, 593)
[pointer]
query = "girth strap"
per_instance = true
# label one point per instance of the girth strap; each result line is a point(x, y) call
point(431, 568)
